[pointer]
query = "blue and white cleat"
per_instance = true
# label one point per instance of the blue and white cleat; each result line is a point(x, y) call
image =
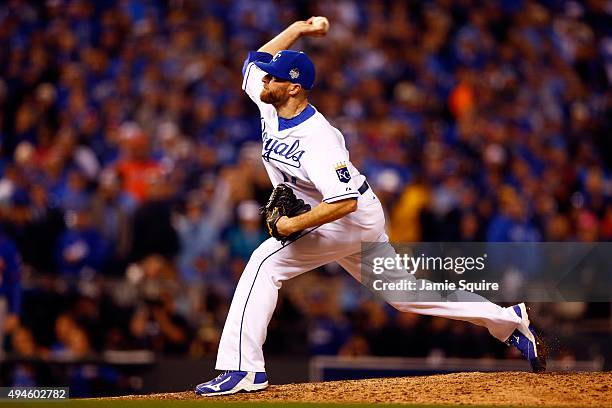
point(231, 382)
point(527, 341)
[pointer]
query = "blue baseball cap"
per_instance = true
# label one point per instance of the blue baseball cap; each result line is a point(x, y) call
point(293, 66)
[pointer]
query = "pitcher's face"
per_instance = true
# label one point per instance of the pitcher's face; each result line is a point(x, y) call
point(275, 90)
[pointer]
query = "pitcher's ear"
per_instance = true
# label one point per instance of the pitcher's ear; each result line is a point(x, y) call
point(295, 89)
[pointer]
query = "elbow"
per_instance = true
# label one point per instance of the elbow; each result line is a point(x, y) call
point(351, 205)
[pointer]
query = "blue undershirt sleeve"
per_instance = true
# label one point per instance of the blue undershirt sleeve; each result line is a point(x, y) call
point(255, 56)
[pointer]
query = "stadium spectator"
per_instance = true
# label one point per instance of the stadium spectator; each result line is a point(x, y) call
point(112, 210)
point(245, 237)
point(198, 233)
point(81, 249)
point(10, 287)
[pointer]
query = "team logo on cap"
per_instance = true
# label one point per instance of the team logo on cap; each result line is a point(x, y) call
point(277, 56)
point(294, 73)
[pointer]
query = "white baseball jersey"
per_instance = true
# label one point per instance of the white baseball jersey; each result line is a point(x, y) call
point(305, 151)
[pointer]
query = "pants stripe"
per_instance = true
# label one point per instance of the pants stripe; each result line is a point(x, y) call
point(250, 290)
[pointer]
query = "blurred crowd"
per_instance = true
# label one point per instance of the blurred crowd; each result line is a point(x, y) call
point(128, 154)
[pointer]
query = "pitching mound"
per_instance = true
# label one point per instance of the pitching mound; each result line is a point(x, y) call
point(508, 388)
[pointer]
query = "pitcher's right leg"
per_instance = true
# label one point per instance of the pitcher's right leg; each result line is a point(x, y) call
point(241, 346)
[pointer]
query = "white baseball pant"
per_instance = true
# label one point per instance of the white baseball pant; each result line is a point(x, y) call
point(272, 263)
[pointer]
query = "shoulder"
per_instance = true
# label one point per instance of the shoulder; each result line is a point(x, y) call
point(253, 56)
point(316, 122)
point(324, 131)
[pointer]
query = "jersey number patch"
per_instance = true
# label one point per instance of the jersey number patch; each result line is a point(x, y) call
point(343, 173)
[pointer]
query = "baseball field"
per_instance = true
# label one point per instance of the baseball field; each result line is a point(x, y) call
point(506, 389)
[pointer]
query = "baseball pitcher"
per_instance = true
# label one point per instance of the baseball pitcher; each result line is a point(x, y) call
point(321, 210)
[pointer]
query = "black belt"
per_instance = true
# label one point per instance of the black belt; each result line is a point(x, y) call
point(364, 187)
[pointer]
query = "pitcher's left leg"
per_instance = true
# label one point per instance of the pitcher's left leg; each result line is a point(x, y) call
point(507, 324)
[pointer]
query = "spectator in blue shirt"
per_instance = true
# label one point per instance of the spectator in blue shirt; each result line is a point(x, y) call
point(81, 248)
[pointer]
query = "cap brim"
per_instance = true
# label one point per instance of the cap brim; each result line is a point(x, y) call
point(271, 69)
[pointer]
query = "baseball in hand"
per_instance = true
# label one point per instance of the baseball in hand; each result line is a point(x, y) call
point(321, 23)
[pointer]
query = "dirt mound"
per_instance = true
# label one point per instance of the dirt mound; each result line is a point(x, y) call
point(506, 388)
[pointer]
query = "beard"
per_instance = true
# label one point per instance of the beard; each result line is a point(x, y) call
point(273, 97)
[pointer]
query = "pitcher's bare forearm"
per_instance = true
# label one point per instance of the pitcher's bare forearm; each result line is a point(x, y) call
point(286, 38)
point(321, 214)
point(282, 41)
